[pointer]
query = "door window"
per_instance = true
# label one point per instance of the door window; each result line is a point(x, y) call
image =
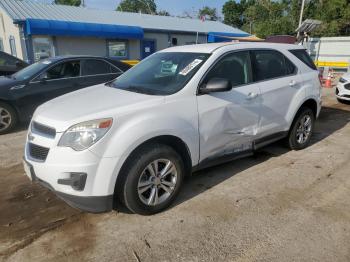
point(96, 67)
point(63, 70)
point(269, 64)
point(118, 49)
point(43, 48)
point(235, 67)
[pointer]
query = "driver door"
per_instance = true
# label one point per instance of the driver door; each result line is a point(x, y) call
point(228, 121)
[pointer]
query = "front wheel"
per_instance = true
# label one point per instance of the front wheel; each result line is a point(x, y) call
point(8, 118)
point(153, 179)
point(301, 130)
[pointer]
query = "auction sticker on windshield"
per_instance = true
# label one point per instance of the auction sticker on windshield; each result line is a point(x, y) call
point(190, 67)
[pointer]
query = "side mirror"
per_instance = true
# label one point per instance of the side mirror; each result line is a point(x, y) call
point(216, 85)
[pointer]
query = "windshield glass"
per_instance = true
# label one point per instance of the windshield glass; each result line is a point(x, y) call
point(31, 70)
point(161, 74)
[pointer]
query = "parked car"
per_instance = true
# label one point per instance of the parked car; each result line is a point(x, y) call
point(179, 110)
point(22, 92)
point(342, 91)
point(10, 64)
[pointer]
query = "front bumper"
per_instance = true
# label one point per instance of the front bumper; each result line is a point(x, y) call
point(93, 204)
point(92, 191)
point(342, 91)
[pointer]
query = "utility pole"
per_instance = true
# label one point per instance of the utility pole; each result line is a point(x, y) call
point(301, 16)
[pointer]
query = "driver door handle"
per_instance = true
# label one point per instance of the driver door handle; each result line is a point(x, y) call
point(252, 95)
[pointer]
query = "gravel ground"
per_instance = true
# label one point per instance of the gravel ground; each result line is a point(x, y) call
point(278, 205)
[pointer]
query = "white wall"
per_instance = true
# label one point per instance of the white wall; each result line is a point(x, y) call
point(7, 29)
point(329, 49)
point(81, 46)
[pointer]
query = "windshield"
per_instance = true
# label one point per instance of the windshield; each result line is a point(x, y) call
point(161, 74)
point(31, 70)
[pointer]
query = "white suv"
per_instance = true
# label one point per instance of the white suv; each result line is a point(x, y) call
point(182, 109)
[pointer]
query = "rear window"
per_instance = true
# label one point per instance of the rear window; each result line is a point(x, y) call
point(302, 55)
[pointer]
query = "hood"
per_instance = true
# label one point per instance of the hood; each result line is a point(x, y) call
point(91, 103)
point(346, 76)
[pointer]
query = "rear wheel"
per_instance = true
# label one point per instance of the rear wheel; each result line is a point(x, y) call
point(153, 179)
point(301, 129)
point(8, 118)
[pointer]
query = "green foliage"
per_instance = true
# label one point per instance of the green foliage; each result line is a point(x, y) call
point(68, 2)
point(135, 6)
point(207, 11)
point(279, 17)
point(163, 13)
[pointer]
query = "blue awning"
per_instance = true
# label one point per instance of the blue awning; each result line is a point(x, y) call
point(67, 28)
point(214, 37)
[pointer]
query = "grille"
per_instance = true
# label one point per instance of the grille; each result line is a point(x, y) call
point(38, 152)
point(347, 86)
point(43, 130)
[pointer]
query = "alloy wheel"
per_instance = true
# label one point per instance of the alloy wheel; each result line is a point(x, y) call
point(304, 129)
point(157, 182)
point(5, 119)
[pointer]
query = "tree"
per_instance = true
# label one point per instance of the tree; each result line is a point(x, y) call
point(68, 2)
point(136, 6)
point(276, 17)
point(163, 13)
point(208, 12)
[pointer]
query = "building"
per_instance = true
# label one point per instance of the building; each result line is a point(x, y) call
point(33, 31)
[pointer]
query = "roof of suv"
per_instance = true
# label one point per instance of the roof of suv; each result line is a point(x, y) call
point(210, 48)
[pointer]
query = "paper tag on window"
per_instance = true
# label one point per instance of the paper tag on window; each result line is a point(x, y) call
point(190, 67)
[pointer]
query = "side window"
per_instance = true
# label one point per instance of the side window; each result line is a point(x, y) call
point(95, 67)
point(115, 70)
point(235, 67)
point(304, 57)
point(269, 64)
point(64, 70)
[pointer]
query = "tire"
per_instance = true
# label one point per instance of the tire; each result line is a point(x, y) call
point(141, 186)
point(299, 137)
point(8, 118)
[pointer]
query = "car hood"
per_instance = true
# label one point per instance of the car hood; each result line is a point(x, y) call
point(346, 76)
point(91, 103)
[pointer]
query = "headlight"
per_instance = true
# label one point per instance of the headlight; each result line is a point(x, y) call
point(342, 80)
point(83, 135)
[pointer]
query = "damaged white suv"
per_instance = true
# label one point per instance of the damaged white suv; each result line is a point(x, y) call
point(182, 109)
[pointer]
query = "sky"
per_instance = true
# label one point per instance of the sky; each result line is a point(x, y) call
point(174, 7)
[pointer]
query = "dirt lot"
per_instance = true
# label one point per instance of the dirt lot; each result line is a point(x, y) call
point(279, 205)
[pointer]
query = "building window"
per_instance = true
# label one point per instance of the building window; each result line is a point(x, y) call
point(43, 48)
point(13, 46)
point(118, 49)
point(1, 45)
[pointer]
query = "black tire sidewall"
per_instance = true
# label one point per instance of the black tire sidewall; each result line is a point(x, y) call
point(292, 140)
point(138, 163)
point(13, 118)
